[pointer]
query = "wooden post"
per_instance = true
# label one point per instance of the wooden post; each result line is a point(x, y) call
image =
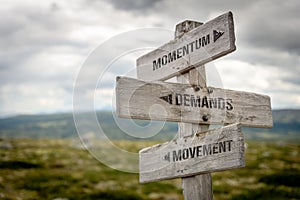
point(200, 186)
point(180, 157)
point(178, 58)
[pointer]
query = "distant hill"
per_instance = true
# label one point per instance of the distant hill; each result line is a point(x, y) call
point(63, 126)
point(286, 127)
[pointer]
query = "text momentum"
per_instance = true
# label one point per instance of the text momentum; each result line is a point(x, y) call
point(186, 49)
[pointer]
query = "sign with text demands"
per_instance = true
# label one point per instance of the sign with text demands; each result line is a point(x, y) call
point(183, 103)
point(211, 151)
point(196, 47)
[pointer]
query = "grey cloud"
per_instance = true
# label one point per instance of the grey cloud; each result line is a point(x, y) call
point(272, 25)
point(134, 5)
point(293, 79)
point(265, 56)
point(25, 32)
point(267, 34)
point(35, 28)
point(264, 23)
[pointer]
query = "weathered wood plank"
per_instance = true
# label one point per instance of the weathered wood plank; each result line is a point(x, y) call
point(198, 187)
point(185, 103)
point(205, 43)
point(215, 150)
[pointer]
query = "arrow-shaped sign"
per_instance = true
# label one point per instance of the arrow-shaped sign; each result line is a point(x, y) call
point(198, 46)
point(222, 148)
point(182, 103)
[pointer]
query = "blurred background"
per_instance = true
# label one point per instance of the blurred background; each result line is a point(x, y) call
point(43, 48)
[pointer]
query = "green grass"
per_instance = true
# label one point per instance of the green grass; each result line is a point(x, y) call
point(49, 169)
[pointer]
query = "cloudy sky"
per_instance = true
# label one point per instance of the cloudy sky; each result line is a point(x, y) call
point(44, 46)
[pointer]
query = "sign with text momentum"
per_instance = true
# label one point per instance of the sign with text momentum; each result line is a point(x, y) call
point(215, 150)
point(197, 151)
point(198, 46)
point(184, 103)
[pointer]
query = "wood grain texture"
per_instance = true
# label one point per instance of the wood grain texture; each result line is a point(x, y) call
point(157, 101)
point(214, 150)
point(197, 187)
point(188, 55)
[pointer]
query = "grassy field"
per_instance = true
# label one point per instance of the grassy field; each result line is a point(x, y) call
point(55, 169)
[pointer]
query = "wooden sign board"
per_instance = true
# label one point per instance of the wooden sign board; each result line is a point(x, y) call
point(196, 47)
point(183, 103)
point(215, 150)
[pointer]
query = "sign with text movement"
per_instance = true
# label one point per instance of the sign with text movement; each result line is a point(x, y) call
point(203, 44)
point(215, 150)
point(184, 103)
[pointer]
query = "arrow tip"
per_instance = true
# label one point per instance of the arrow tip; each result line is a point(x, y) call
point(167, 157)
point(167, 98)
point(217, 34)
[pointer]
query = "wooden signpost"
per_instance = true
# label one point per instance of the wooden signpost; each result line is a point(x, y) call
point(197, 151)
point(210, 151)
point(183, 103)
point(196, 47)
